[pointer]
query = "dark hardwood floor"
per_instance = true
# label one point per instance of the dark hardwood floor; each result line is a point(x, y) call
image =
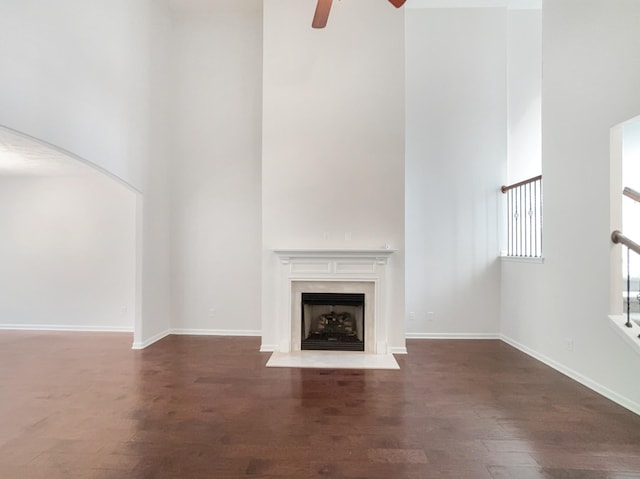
point(84, 405)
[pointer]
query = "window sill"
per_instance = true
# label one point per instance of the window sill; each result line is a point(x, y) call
point(630, 335)
point(521, 259)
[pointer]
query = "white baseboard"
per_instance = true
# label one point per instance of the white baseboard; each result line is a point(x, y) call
point(148, 342)
point(66, 327)
point(597, 387)
point(124, 329)
point(216, 332)
point(452, 336)
point(398, 350)
point(194, 332)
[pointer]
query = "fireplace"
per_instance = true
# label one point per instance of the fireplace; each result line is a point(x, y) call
point(353, 273)
point(332, 321)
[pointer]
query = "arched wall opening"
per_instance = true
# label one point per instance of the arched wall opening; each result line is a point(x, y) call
point(70, 246)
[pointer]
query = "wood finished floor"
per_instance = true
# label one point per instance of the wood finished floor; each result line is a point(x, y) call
point(84, 405)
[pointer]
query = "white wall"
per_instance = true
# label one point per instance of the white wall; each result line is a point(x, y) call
point(524, 83)
point(590, 83)
point(89, 77)
point(67, 251)
point(74, 73)
point(456, 162)
point(153, 319)
point(333, 137)
point(215, 170)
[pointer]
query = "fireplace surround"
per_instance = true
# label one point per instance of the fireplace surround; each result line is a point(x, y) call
point(330, 271)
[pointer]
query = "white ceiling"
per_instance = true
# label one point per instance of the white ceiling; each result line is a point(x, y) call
point(23, 156)
point(512, 4)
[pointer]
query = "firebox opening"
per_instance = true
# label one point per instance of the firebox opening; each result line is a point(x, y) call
point(333, 321)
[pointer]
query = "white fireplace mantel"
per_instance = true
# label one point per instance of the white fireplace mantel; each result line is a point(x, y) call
point(380, 256)
point(346, 270)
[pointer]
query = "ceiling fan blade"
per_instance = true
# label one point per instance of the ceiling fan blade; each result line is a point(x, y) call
point(322, 14)
point(397, 3)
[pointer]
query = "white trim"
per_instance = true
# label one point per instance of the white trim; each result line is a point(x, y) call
point(151, 340)
point(452, 336)
point(379, 256)
point(268, 348)
point(399, 350)
point(215, 332)
point(333, 267)
point(630, 335)
point(521, 259)
point(597, 387)
point(66, 327)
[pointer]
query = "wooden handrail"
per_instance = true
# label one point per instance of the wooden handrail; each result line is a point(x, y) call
point(504, 188)
point(630, 193)
point(618, 237)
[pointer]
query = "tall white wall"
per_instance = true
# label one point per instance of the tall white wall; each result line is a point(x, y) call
point(333, 137)
point(456, 161)
point(67, 251)
point(215, 170)
point(74, 74)
point(524, 83)
point(153, 318)
point(88, 77)
point(590, 84)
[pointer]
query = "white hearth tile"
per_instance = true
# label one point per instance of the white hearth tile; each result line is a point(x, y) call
point(332, 360)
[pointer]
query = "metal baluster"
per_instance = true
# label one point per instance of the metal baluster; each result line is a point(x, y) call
point(511, 222)
point(541, 213)
point(526, 224)
point(508, 223)
point(520, 249)
point(515, 222)
point(529, 213)
point(535, 218)
point(628, 323)
point(524, 212)
point(516, 194)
